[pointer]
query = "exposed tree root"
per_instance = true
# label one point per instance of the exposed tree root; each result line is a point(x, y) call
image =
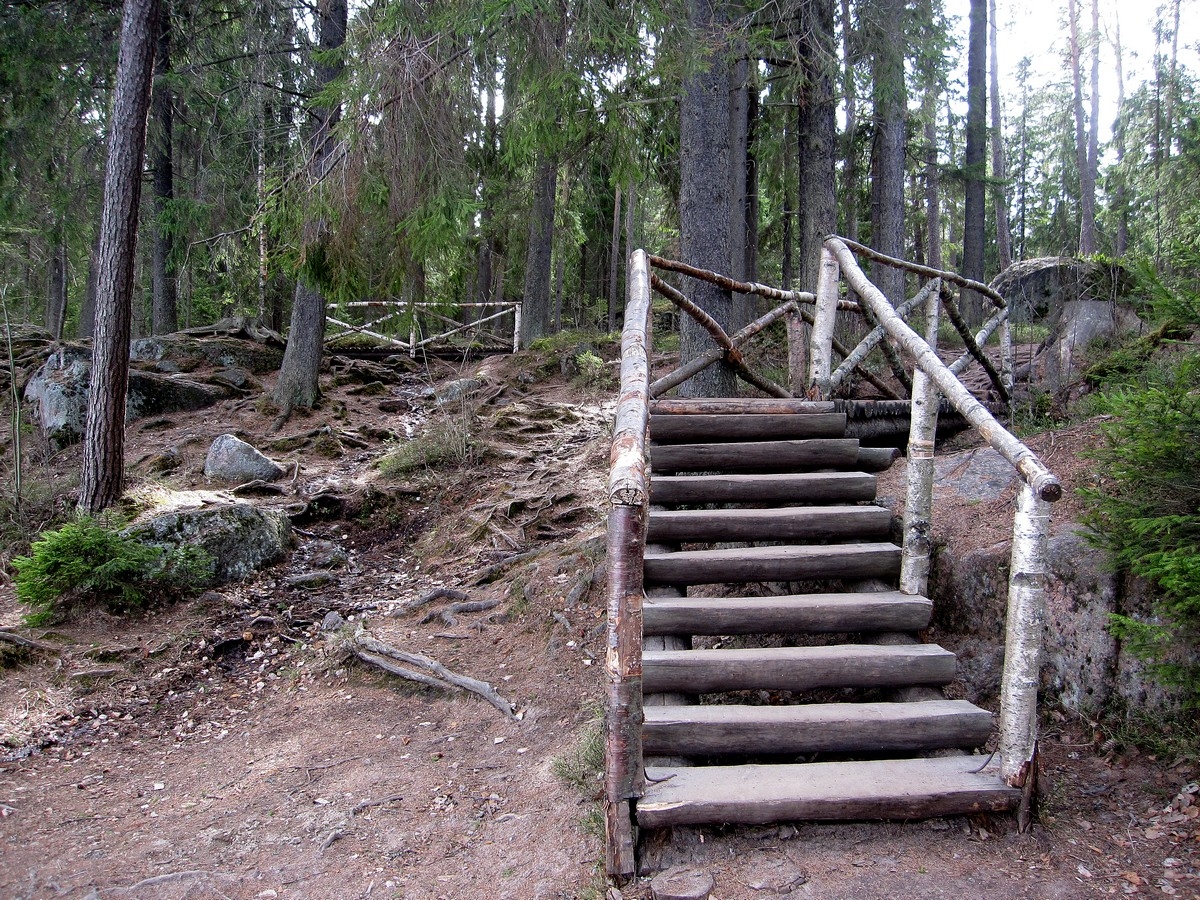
point(447, 613)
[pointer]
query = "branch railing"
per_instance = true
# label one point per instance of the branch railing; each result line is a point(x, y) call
point(629, 483)
point(416, 312)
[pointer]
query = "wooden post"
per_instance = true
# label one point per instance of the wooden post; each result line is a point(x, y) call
point(1006, 356)
point(516, 327)
point(628, 492)
point(918, 502)
point(1023, 641)
point(821, 352)
point(797, 351)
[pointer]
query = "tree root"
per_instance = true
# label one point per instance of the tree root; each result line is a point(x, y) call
point(424, 669)
point(435, 594)
point(447, 613)
point(12, 637)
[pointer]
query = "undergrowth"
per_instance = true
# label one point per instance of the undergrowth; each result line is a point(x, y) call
point(87, 562)
point(448, 441)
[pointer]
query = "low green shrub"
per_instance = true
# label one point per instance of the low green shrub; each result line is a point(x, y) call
point(1146, 513)
point(448, 441)
point(87, 562)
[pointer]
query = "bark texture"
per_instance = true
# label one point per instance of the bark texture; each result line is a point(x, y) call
point(163, 315)
point(974, 156)
point(817, 210)
point(103, 476)
point(887, 151)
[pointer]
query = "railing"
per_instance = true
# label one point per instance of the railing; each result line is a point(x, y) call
point(629, 482)
point(421, 316)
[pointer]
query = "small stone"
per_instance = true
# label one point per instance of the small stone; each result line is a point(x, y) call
point(332, 621)
point(682, 883)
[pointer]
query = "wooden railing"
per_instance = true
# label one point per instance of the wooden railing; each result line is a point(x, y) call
point(424, 319)
point(629, 481)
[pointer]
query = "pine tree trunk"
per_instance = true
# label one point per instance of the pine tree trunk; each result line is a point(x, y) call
point(887, 152)
point(704, 200)
point(933, 185)
point(1120, 200)
point(164, 316)
point(56, 288)
point(614, 260)
point(974, 161)
point(850, 150)
point(999, 175)
point(299, 383)
point(1087, 192)
point(816, 212)
point(103, 475)
point(535, 308)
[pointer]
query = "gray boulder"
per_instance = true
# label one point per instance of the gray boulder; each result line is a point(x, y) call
point(232, 460)
point(58, 394)
point(240, 538)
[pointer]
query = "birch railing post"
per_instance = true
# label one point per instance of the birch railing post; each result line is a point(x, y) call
point(1022, 648)
point(516, 327)
point(821, 353)
point(918, 502)
point(628, 492)
point(1006, 356)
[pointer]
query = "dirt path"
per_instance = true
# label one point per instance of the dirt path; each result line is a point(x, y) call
point(225, 747)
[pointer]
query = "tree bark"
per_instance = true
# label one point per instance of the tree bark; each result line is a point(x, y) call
point(1087, 193)
point(704, 200)
point(974, 162)
point(1088, 183)
point(887, 152)
point(535, 310)
point(850, 148)
point(56, 289)
point(817, 131)
point(999, 175)
point(103, 475)
point(164, 316)
point(614, 260)
point(87, 309)
point(298, 383)
point(1120, 201)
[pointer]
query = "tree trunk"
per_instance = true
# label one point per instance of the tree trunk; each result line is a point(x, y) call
point(1090, 178)
point(614, 260)
point(739, 74)
point(535, 309)
point(704, 200)
point(999, 175)
point(298, 383)
point(56, 289)
point(933, 201)
point(87, 309)
point(1087, 193)
point(974, 162)
point(850, 146)
point(887, 152)
point(164, 316)
point(817, 131)
point(791, 154)
point(1120, 201)
point(103, 475)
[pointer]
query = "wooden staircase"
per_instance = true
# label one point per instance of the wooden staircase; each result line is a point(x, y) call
point(863, 735)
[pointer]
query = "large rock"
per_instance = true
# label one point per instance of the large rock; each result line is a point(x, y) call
point(58, 393)
point(232, 460)
point(1038, 289)
point(240, 538)
point(183, 353)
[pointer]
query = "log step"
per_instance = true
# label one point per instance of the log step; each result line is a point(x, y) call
point(756, 456)
point(795, 668)
point(722, 406)
point(787, 563)
point(790, 614)
point(674, 429)
point(795, 523)
point(804, 487)
point(878, 789)
point(815, 727)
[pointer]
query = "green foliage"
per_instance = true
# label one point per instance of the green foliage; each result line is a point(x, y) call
point(1146, 514)
point(87, 561)
point(448, 441)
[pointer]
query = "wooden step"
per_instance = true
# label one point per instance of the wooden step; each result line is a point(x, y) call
point(877, 459)
point(786, 563)
point(802, 487)
point(674, 429)
point(814, 727)
point(789, 614)
point(755, 456)
point(877, 789)
point(793, 523)
point(769, 406)
point(795, 668)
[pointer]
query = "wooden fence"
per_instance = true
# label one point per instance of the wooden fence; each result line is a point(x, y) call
point(424, 318)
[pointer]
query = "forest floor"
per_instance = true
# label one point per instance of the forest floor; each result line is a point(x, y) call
point(226, 747)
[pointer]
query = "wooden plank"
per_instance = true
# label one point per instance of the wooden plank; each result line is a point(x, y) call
point(790, 614)
point(795, 668)
point(755, 456)
point(877, 459)
point(786, 563)
point(799, 487)
point(773, 406)
point(815, 727)
point(669, 429)
point(793, 523)
point(878, 789)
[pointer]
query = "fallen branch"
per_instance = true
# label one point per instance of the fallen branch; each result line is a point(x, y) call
point(173, 876)
point(426, 670)
point(447, 613)
point(21, 641)
point(367, 804)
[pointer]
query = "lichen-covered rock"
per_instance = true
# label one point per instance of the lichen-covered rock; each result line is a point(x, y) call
point(231, 459)
point(240, 538)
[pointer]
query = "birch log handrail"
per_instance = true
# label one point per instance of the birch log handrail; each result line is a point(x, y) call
point(627, 459)
point(1044, 483)
point(729, 284)
point(918, 269)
